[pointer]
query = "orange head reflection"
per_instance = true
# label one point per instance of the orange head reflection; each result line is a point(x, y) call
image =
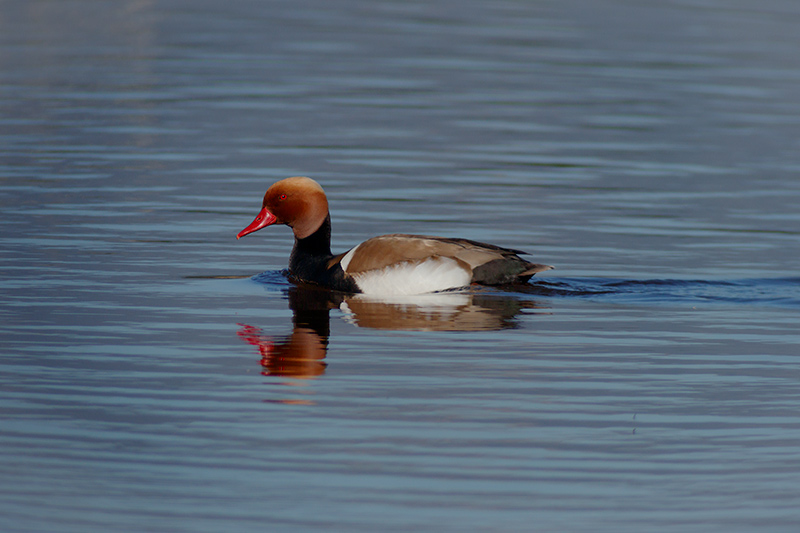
point(299, 355)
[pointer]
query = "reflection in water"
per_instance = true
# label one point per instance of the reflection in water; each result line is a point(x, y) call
point(301, 354)
point(455, 311)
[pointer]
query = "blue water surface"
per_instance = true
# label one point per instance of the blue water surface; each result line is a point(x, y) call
point(158, 375)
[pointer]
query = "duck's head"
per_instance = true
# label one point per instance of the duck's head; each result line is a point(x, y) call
point(298, 202)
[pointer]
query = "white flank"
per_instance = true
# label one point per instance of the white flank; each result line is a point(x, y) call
point(345, 262)
point(436, 274)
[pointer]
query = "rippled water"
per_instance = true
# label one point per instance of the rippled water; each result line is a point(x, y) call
point(158, 375)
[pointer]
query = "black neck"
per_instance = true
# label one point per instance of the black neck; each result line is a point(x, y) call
point(311, 261)
point(310, 254)
point(318, 243)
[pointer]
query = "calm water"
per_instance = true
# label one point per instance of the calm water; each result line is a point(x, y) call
point(157, 375)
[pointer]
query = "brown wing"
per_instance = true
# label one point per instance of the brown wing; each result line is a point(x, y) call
point(380, 252)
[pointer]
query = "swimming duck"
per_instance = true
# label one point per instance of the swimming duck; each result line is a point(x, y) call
point(385, 265)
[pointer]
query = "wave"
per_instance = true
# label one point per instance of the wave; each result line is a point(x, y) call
point(782, 292)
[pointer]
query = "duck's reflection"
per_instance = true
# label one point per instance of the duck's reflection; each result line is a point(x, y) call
point(301, 354)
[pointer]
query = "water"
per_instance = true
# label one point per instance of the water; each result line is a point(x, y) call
point(158, 375)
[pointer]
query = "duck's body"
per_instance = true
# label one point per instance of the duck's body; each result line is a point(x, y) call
point(389, 264)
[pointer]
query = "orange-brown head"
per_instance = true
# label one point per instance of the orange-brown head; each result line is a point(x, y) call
point(298, 202)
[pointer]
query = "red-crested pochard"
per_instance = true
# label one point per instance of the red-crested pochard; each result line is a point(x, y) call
point(385, 265)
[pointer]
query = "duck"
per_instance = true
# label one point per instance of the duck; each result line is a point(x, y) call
point(395, 264)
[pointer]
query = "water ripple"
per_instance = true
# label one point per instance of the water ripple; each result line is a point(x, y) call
point(776, 291)
point(784, 292)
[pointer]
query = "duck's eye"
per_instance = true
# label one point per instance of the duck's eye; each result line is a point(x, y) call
point(282, 197)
